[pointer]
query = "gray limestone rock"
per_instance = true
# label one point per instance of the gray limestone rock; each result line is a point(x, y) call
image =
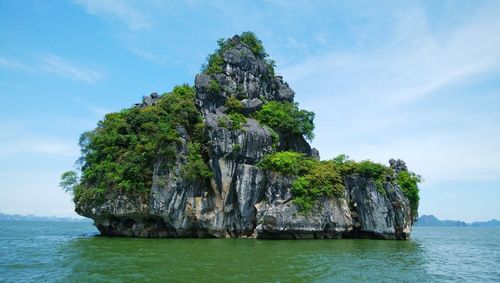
point(251, 105)
point(315, 154)
point(149, 100)
point(398, 165)
point(378, 213)
point(241, 199)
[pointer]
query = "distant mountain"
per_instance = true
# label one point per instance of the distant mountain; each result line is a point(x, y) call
point(491, 223)
point(432, 221)
point(30, 217)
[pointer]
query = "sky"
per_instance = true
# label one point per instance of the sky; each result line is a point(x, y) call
point(416, 80)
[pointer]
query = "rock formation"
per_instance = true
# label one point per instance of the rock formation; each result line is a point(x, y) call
point(242, 199)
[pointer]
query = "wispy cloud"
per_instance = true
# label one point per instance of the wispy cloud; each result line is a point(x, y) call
point(53, 64)
point(441, 156)
point(125, 11)
point(414, 64)
point(378, 103)
point(55, 147)
point(150, 56)
point(58, 66)
point(403, 74)
point(15, 141)
point(135, 17)
point(12, 64)
point(39, 145)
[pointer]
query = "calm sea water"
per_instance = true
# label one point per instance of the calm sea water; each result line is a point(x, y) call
point(69, 252)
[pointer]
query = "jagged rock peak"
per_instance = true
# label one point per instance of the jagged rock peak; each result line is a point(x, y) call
point(240, 68)
point(398, 165)
point(148, 100)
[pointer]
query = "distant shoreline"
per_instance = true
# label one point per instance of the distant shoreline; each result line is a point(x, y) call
point(30, 217)
point(433, 221)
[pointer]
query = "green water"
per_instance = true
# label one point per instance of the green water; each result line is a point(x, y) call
point(69, 252)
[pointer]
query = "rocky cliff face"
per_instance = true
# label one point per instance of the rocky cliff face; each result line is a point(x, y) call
point(241, 199)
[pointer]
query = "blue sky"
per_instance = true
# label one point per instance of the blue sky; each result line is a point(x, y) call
point(417, 80)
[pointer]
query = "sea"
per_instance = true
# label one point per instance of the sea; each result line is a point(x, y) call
point(33, 251)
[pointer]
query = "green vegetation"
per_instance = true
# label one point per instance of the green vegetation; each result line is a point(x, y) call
point(69, 180)
point(118, 156)
point(408, 182)
point(215, 61)
point(270, 65)
point(237, 147)
point(314, 178)
point(275, 137)
point(287, 118)
point(234, 120)
point(249, 39)
point(326, 178)
point(214, 64)
point(323, 178)
point(214, 87)
point(237, 121)
point(223, 122)
point(371, 169)
point(233, 105)
point(195, 168)
point(366, 168)
point(287, 162)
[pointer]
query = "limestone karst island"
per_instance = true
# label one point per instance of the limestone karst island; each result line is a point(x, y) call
point(230, 157)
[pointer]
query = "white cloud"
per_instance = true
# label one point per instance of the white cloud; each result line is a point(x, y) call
point(14, 141)
point(53, 64)
point(39, 145)
point(125, 11)
point(414, 64)
point(149, 56)
point(440, 157)
point(378, 103)
point(12, 64)
point(58, 66)
point(56, 147)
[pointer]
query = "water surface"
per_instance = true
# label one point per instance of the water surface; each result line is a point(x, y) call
point(65, 251)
